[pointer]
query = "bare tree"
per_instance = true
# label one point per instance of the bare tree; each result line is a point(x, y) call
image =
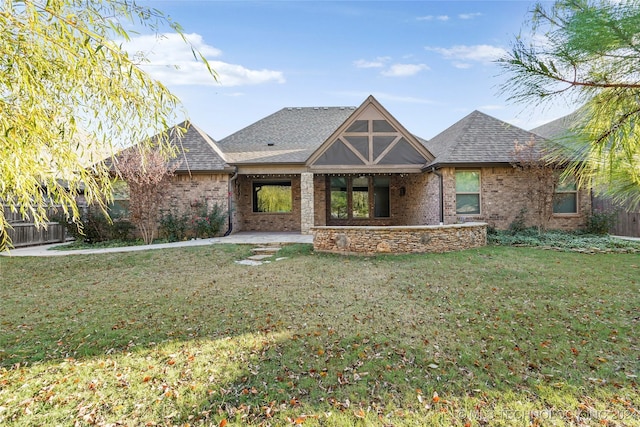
point(146, 172)
point(541, 180)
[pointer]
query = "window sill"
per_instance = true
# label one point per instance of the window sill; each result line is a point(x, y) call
point(566, 215)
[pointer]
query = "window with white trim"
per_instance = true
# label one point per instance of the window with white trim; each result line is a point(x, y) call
point(119, 207)
point(467, 192)
point(565, 198)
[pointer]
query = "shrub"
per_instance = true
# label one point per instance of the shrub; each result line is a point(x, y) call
point(201, 222)
point(174, 226)
point(518, 224)
point(121, 229)
point(561, 240)
point(95, 227)
point(208, 222)
point(601, 222)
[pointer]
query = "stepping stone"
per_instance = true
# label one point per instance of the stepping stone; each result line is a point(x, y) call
point(265, 250)
point(259, 257)
point(249, 262)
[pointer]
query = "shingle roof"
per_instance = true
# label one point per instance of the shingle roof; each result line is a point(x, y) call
point(290, 135)
point(197, 152)
point(478, 139)
point(559, 127)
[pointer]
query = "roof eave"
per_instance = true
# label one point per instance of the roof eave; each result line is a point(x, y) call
point(367, 169)
point(262, 164)
point(225, 170)
point(440, 165)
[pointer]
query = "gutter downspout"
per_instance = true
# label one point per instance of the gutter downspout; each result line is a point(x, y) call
point(229, 203)
point(439, 175)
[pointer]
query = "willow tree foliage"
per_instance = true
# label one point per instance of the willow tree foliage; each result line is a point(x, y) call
point(70, 95)
point(586, 52)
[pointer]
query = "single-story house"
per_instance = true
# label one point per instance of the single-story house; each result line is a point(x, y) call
point(325, 166)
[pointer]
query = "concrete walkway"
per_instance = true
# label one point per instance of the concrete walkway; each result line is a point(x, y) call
point(633, 239)
point(241, 238)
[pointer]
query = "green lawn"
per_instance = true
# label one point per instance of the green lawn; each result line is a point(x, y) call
point(494, 336)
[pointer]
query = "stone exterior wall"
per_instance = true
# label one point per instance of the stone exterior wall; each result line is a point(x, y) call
point(399, 240)
point(247, 220)
point(306, 202)
point(187, 191)
point(503, 195)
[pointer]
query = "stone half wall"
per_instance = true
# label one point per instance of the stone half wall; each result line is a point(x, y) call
point(399, 240)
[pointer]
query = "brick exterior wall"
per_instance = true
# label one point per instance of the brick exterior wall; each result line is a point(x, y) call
point(320, 199)
point(184, 191)
point(420, 204)
point(398, 240)
point(247, 220)
point(414, 200)
point(503, 195)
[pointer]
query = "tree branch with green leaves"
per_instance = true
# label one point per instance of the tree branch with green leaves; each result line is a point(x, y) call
point(586, 53)
point(71, 96)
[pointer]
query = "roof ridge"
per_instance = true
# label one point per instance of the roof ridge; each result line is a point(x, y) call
point(211, 143)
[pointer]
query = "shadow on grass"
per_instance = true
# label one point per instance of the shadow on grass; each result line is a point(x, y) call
point(187, 336)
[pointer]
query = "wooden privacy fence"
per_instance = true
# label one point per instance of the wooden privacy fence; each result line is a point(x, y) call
point(25, 233)
point(627, 221)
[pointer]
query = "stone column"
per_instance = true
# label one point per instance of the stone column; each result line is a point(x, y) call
point(306, 202)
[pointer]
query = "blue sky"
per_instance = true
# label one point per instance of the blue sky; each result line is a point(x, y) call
point(428, 62)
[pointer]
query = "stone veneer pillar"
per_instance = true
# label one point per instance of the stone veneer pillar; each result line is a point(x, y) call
point(306, 202)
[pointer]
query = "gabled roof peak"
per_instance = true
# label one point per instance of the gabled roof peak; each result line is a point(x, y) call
point(371, 139)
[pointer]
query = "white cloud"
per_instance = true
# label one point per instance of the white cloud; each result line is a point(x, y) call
point(462, 65)
point(404, 70)
point(433, 17)
point(379, 62)
point(469, 15)
point(170, 60)
point(462, 54)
